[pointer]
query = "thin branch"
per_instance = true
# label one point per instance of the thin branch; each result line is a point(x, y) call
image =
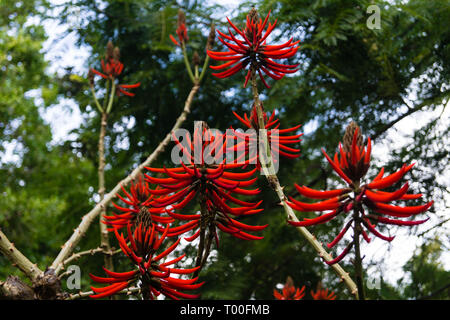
point(87, 219)
point(433, 227)
point(435, 293)
point(104, 235)
point(186, 62)
point(18, 259)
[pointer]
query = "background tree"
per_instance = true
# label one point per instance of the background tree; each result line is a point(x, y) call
point(348, 72)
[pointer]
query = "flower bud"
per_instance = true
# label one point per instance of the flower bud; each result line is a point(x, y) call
point(109, 50)
point(181, 18)
point(116, 54)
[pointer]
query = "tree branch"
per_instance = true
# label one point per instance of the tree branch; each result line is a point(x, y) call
point(87, 219)
point(18, 259)
point(435, 293)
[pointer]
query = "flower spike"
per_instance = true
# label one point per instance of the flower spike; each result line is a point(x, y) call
point(351, 164)
point(248, 48)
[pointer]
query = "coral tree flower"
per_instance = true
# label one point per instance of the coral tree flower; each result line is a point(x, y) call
point(112, 68)
point(216, 186)
point(155, 276)
point(351, 165)
point(322, 294)
point(289, 292)
point(249, 48)
point(137, 209)
point(277, 139)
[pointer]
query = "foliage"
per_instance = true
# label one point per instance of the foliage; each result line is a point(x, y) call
point(347, 72)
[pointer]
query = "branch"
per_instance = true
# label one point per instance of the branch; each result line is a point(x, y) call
point(104, 235)
point(433, 227)
point(87, 219)
point(18, 259)
point(80, 295)
point(274, 183)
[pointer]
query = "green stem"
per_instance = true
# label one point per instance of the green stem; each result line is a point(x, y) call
point(186, 62)
point(97, 104)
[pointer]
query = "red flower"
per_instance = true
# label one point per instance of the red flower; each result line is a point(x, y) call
point(113, 68)
point(274, 134)
point(155, 276)
point(322, 294)
point(138, 199)
point(249, 48)
point(351, 166)
point(289, 292)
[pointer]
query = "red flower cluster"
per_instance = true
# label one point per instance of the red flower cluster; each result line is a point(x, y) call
point(251, 50)
point(276, 136)
point(155, 276)
point(113, 68)
point(215, 185)
point(352, 165)
point(289, 292)
point(322, 294)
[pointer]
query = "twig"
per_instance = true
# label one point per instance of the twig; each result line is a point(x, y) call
point(18, 259)
point(77, 256)
point(87, 219)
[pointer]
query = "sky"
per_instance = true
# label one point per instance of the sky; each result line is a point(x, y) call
point(61, 52)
